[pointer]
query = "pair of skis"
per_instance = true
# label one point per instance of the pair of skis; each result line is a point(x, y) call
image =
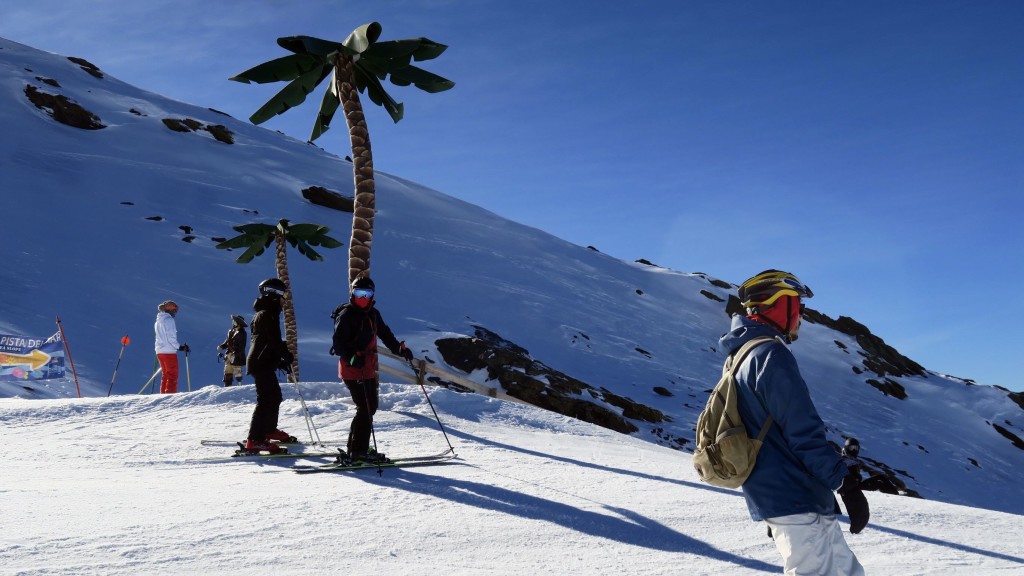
point(445, 457)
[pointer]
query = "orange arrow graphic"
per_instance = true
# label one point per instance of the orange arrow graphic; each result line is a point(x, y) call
point(36, 359)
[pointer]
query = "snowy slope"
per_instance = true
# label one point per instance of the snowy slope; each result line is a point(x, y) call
point(110, 486)
point(98, 239)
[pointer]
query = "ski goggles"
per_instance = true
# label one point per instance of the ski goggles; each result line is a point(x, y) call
point(366, 293)
point(269, 290)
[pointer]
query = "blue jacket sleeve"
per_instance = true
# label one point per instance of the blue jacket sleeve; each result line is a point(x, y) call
point(789, 401)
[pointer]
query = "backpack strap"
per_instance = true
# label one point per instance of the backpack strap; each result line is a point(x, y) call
point(733, 363)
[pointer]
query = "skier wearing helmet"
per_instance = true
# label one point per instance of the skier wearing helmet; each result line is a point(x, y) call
point(851, 491)
point(268, 353)
point(167, 346)
point(357, 326)
point(796, 469)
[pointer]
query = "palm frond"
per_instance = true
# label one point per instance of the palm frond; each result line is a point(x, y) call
point(362, 38)
point(285, 68)
point(291, 95)
point(378, 95)
point(311, 46)
point(426, 81)
point(328, 106)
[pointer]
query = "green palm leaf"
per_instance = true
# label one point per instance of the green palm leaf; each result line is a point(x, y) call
point(328, 106)
point(284, 68)
point(378, 95)
point(291, 95)
point(426, 81)
point(311, 46)
point(362, 38)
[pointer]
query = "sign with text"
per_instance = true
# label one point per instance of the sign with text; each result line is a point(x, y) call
point(24, 358)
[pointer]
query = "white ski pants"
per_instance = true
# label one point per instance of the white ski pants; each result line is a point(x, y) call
point(813, 545)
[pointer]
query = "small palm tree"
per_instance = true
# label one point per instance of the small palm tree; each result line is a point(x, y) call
point(256, 238)
point(359, 64)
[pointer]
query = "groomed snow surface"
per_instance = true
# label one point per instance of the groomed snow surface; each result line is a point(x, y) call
point(117, 486)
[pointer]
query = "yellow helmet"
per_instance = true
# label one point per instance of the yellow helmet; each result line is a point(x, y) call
point(763, 290)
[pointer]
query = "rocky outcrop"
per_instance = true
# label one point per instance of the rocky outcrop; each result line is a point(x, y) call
point(879, 357)
point(328, 199)
point(63, 110)
point(218, 131)
point(532, 381)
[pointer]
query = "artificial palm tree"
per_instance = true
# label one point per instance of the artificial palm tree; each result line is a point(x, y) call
point(256, 238)
point(358, 64)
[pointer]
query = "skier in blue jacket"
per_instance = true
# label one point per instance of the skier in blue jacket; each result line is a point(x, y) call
point(796, 471)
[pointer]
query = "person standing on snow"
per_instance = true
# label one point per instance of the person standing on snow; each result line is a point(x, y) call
point(233, 351)
point(357, 326)
point(796, 470)
point(268, 353)
point(167, 346)
point(853, 495)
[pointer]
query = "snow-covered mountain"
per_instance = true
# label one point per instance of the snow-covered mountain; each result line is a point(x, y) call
point(106, 220)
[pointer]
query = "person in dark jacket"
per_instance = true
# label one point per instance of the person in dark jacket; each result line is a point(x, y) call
point(268, 353)
point(853, 495)
point(796, 469)
point(357, 326)
point(233, 351)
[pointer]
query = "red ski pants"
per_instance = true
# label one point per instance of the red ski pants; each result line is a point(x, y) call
point(169, 377)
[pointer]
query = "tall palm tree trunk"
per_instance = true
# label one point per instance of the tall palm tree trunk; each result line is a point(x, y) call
point(362, 168)
point(291, 331)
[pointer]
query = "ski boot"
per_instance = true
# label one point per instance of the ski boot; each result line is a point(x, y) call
point(253, 447)
point(371, 456)
point(282, 436)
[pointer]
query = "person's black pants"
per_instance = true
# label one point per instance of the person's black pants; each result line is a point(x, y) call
point(366, 395)
point(268, 405)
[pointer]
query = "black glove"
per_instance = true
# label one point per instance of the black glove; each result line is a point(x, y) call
point(184, 348)
point(220, 357)
point(286, 366)
point(405, 352)
point(357, 361)
point(287, 357)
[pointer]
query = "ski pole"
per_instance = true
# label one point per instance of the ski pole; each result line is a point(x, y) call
point(369, 414)
point(188, 376)
point(67, 349)
point(420, 375)
point(309, 417)
point(150, 380)
point(124, 342)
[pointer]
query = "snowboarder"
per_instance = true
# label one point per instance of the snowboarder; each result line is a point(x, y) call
point(267, 354)
point(167, 346)
point(357, 326)
point(796, 470)
point(233, 351)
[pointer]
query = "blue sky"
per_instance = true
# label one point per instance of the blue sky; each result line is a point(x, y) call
point(873, 148)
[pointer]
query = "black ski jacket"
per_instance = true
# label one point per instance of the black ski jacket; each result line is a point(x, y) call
point(234, 345)
point(266, 348)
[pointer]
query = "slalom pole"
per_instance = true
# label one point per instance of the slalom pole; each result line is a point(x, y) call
point(68, 350)
point(188, 376)
point(309, 417)
point(420, 375)
point(150, 379)
point(124, 342)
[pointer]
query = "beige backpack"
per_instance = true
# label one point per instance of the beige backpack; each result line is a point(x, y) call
point(725, 455)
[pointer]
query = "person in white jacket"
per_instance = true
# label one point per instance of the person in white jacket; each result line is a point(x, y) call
point(167, 346)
